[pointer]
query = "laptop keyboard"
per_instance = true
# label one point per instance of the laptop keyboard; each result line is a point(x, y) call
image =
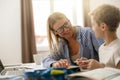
point(15, 72)
point(12, 72)
point(3, 72)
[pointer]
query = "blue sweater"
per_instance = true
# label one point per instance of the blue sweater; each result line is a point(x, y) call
point(89, 46)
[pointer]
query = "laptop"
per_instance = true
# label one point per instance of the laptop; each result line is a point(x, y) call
point(10, 71)
point(1, 68)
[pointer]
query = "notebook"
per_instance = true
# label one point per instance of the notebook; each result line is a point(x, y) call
point(10, 71)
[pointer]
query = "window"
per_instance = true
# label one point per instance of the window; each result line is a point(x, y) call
point(43, 8)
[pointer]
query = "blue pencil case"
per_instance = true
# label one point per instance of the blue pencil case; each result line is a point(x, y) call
point(48, 74)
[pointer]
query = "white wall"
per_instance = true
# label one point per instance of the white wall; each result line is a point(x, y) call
point(96, 3)
point(10, 31)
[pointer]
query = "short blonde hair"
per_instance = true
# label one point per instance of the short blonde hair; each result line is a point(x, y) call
point(108, 14)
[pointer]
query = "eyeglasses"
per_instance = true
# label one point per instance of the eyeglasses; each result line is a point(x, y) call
point(61, 29)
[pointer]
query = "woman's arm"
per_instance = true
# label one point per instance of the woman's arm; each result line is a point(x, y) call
point(58, 59)
point(57, 63)
point(48, 61)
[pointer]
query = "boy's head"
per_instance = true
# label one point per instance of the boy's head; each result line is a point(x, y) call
point(106, 15)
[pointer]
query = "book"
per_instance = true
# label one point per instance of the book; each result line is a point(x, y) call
point(99, 74)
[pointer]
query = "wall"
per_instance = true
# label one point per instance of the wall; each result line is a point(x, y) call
point(95, 3)
point(10, 31)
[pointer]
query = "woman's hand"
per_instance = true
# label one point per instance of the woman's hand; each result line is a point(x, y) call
point(62, 63)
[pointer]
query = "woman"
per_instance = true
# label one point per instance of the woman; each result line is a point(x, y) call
point(68, 43)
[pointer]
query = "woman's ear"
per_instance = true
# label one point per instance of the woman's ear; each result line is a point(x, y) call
point(55, 33)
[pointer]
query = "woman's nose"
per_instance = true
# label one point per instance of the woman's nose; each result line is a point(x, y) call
point(66, 29)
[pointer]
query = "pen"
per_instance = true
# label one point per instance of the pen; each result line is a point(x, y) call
point(82, 61)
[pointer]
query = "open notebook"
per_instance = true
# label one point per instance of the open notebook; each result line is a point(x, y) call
point(106, 73)
point(10, 71)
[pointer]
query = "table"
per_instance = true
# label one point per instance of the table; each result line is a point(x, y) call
point(23, 67)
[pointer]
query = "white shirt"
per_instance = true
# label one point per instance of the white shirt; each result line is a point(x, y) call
point(110, 54)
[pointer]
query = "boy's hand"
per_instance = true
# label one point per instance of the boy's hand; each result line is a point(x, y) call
point(93, 64)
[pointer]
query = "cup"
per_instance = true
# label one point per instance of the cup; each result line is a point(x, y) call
point(37, 59)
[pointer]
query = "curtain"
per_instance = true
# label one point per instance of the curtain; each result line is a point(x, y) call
point(28, 34)
point(86, 10)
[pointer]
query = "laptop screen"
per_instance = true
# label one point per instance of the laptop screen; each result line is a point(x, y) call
point(1, 66)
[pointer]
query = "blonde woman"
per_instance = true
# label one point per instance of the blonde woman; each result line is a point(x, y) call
point(68, 43)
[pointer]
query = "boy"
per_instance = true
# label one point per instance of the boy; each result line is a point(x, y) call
point(105, 21)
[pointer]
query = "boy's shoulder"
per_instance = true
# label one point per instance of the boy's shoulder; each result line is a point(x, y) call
point(114, 44)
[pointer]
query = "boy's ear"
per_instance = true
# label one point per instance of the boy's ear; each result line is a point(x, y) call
point(103, 26)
